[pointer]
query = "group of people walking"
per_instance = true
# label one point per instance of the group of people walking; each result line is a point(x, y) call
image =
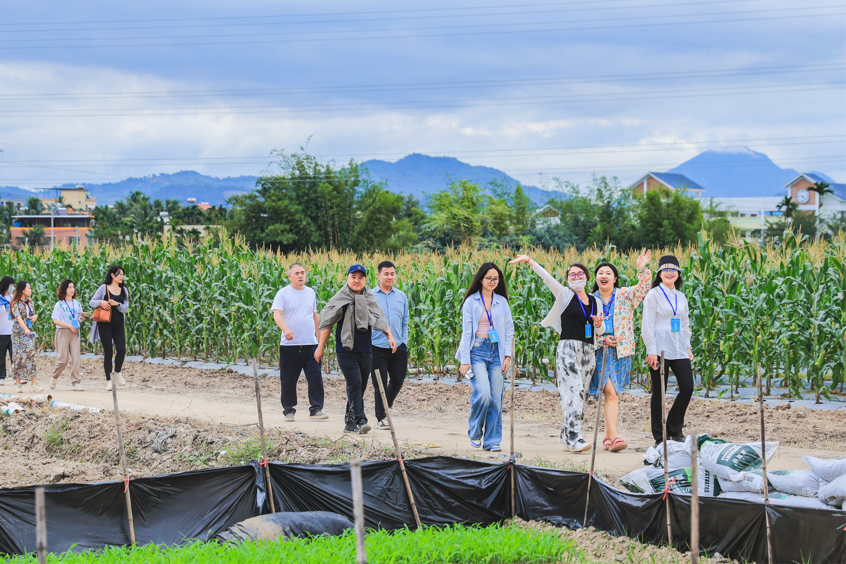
point(18, 323)
point(595, 348)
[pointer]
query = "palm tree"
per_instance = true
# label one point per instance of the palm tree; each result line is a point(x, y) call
point(34, 206)
point(822, 189)
point(787, 206)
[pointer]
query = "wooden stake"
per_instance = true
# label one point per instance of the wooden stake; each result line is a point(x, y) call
point(397, 448)
point(40, 526)
point(358, 511)
point(694, 501)
point(261, 433)
point(596, 428)
point(764, 467)
point(664, 430)
point(514, 373)
point(123, 464)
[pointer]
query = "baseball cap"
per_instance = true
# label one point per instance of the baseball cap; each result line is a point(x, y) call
point(357, 268)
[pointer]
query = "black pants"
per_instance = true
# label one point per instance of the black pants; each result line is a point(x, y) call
point(5, 345)
point(390, 364)
point(112, 332)
point(355, 368)
point(675, 419)
point(294, 359)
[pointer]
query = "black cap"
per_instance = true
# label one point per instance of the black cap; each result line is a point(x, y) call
point(668, 261)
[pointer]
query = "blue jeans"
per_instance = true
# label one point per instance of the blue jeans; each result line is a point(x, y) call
point(486, 399)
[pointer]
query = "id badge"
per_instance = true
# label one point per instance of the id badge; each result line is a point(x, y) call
point(492, 335)
point(609, 326)
point(10, 316)
point(588, 330)
point(675, 324)
point(74, 323)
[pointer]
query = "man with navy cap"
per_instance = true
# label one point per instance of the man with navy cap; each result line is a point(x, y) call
point(354, 312)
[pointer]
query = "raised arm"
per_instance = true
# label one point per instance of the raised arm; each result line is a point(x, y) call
point(557, 289)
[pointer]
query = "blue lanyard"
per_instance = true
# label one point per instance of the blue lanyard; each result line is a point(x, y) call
point(71, 310)
point(674, 308)
point(490, 319)
point(584, 312)
point(607, 309)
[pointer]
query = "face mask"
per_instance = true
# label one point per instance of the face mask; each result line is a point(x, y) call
point(577, 285)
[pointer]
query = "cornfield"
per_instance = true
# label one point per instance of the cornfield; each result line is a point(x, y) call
point(211, 301)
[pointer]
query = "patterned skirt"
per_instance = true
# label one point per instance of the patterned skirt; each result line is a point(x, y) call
point(617, 370)
point(23, 356)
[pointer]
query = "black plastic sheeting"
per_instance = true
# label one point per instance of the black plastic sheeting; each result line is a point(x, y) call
point(174, 508)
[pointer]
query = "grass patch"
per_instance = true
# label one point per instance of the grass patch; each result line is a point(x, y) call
point(448, 545)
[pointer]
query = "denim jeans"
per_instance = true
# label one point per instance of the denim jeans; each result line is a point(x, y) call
point(486, 399)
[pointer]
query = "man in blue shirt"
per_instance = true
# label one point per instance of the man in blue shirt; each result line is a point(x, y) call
point(393, 364)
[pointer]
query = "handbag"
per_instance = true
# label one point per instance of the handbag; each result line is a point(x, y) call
point(101, 315)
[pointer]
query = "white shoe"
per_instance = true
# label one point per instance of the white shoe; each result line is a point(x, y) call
point(53, 382)
point(119, 379)
point(580, 446)
point(109, 386)
point(18, 387)
point(36, 387)
point(78, 388)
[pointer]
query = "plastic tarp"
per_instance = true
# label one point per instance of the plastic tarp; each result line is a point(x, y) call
point(173, 508)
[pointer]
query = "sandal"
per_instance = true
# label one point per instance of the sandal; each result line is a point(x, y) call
point(618, 444)
point(606, 443)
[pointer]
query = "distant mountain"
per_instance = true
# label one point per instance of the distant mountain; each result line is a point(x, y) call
point(15, 193)
point(422, 175)
point(738, 174)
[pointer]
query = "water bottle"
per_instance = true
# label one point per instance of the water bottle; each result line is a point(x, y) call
point(32, 334)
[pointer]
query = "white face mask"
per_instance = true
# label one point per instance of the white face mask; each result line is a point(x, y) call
point(577, 285)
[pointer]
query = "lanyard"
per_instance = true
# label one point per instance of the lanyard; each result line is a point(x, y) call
point(29, 309)
point(71, 310)
point(609, 308)
point(674, 308)
point(490, 319)
point(584, 312)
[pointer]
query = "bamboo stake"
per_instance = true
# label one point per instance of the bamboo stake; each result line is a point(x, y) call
point(397, 448)
point(664, 430)
point(694, 501)
point(123, 464)
point(764, 464)
point(514, 373)
point(358, 512)
point(40, 526)
point(261, 433)
point(601, 390)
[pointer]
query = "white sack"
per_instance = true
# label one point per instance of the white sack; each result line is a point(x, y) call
point(778, 499)
point(828, 470)
point(833, 493)
point(752, 482)
point(678, 454)
point(795, 482)
point(732, 461)
point(651, 480)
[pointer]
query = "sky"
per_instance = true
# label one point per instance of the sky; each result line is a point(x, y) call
point(99, 91)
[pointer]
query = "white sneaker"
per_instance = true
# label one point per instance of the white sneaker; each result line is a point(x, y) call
point(580, 446)
point(119, 379)
point(108, 385)
point(36, 387)
point(53, 382)
point(18, 387)
point(78, 388)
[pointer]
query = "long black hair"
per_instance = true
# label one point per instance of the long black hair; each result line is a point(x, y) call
point(657, 281)
point(613, 269)
point(476, 284)
point(4, 285)
point(19, 290)
point(114, 269)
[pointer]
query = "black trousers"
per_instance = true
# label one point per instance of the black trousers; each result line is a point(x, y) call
point(356, 369)
point(294, 359)
point(675, 419)
point(5, 345)
point(393, 365)
point(109, 333)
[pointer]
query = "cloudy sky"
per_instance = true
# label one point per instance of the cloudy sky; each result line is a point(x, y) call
point(98, 91)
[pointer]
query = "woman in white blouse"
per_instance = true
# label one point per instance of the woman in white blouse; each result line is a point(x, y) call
point(666, 328)
point(68, 317)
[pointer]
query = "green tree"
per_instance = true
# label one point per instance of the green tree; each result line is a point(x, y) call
point(716, 222)
point(787, 207)
point(822, 189)
point(34, 206)
point(456, 212)
point(33, 237)
point(667, 218)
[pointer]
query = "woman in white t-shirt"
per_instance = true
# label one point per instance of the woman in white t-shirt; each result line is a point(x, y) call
point(68, 317)
point(6, 322)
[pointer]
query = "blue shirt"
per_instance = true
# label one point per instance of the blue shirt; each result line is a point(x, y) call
point(394, 305)
point(472, 312)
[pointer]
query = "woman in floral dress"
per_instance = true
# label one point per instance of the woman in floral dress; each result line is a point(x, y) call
point(618, 305)
point(23, 337)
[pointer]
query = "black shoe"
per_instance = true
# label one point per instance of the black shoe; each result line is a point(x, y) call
point(350, 428)
point(678, 438)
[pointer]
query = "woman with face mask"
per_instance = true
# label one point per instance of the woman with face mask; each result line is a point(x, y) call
point(614, 362)
point(666, 328)
point(576, 316)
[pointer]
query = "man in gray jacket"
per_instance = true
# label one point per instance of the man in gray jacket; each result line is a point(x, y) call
point(353, 311)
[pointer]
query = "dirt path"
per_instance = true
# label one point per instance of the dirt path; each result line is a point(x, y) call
point(433, 416)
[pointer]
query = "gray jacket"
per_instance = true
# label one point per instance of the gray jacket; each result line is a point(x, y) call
point(99, 296)
point(364, 314)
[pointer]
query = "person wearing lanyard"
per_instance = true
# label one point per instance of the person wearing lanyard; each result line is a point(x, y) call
point(484, 353)
point(23, 337)
point(618, 305)
point(666, 328)
point(112, 296)
point(67, 315)
point(575, 363)
point(6, 323)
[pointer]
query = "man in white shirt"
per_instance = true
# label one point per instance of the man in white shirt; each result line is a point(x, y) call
point(7, 284)
point(295, 313)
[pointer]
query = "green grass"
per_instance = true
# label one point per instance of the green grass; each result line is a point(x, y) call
point(449, 545)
